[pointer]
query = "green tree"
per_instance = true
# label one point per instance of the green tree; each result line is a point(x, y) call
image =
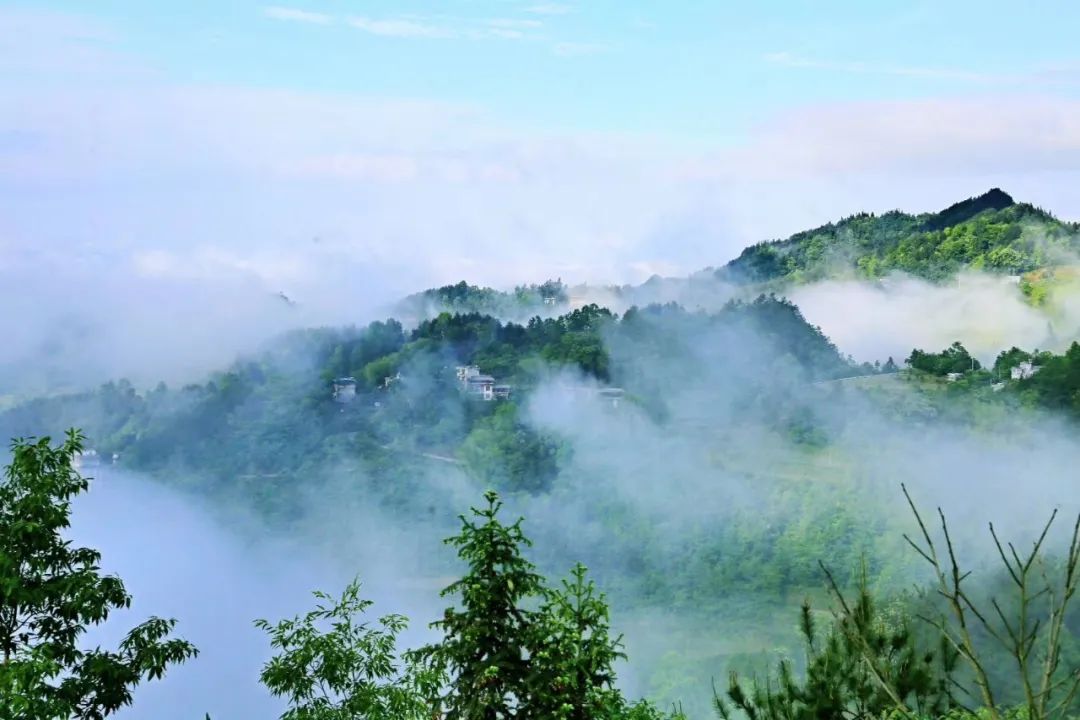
point(52, 592)
point(485, 650)
point(867, 666)
point(576, 653)
point(347, 670)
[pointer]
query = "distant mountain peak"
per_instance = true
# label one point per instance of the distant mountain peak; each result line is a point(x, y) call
point(992, 199)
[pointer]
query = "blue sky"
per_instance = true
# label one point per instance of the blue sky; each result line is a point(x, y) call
point(685, 70)
point(349, 152)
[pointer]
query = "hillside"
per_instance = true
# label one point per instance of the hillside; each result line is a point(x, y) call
point(991, 232)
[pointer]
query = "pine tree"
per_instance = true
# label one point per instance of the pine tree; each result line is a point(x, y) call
point(574, 675)
point(485, 649)
point(865, 667)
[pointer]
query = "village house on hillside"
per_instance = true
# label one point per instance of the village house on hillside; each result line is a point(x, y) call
point(478, 385)
point(611, 395)
point(482, 386)
point(86, 459)
point(1024, 370)
point(344, 389)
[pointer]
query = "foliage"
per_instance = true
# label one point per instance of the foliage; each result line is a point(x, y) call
point(866, 666)
point(505, 453)
point(1034, 634)
point(514, 648)
point(52, 592)
point(486, 643)
point(989, 232)
point(346, 671)
point(522, 302)
point(953, 359)
point(577, 644)
point(872, 666)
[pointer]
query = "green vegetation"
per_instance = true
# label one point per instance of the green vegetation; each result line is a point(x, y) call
point(709, 408)
point(1006, 655)
point(265, 424)
point(1051, 381)
point(523, 302)
point(953, 359)
point(51, 593)
point(990, 233)
point(512, 647)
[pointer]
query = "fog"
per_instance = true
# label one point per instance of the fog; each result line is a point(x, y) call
point(641, 490)
point(988, 313)
point(156, 224)
point(216, 569)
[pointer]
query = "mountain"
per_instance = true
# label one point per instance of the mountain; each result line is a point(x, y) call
point(990, 232)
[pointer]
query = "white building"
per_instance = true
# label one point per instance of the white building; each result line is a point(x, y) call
point(464, 372)
point(611, 395)
point(482, 386)
point(953, 377)
point(86, 458)
point(344, 389)
point(1024, 370)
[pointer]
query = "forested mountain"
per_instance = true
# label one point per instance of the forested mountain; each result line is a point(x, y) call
point(990, 232)
point(773, 449)
point(272, 417)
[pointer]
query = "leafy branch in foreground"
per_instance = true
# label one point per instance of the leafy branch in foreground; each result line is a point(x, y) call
point(347, 670)
point(51, 593)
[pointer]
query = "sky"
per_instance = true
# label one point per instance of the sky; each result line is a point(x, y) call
point(347, 152)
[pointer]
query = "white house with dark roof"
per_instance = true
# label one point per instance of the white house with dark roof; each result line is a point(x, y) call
point(482, 386)
point(344, 389)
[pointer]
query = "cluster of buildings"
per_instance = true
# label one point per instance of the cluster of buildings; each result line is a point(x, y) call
point(477, 385)
point(481, 386)
point(1023, 371)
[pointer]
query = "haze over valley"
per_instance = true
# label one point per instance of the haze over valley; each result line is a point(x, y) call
point(341, 292)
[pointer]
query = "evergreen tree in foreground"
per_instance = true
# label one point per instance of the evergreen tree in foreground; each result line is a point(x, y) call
point(485, 651)
point(514, 648)
point(51, 592)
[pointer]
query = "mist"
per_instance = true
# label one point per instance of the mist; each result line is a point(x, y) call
point(164, 213)
point(216, 568)
point(876, 320)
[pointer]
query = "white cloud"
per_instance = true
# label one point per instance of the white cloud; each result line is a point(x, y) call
point(997, 134)
point(550, 9)
point(420, 27)
point(402, 28)
point(577, 49)
point(506, 33)
point(1062, 74)
point(200, 194)
point(787, 59)
point(514, 23)
point(296, 15)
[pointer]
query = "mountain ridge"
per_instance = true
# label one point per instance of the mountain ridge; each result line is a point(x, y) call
point(990, 232)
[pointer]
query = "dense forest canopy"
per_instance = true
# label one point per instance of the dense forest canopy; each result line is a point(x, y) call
point(990, 232)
